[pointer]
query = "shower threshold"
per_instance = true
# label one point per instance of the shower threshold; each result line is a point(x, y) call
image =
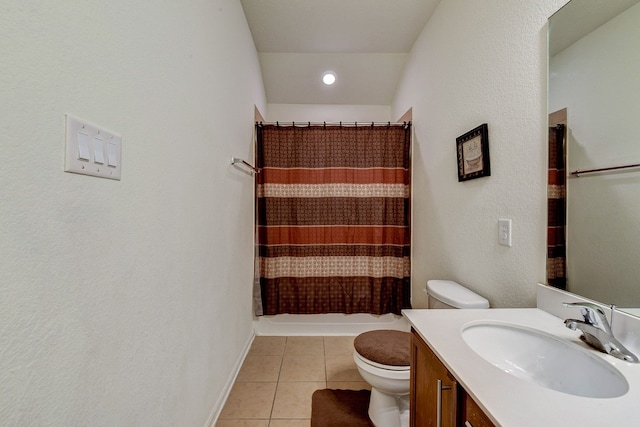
point(330, 324)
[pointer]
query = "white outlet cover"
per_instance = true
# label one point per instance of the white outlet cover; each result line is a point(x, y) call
point(78, 134)
point(504, 232)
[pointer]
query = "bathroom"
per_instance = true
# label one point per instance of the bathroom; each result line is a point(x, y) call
point(130, 302)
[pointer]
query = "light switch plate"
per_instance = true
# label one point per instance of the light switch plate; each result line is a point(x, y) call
point(82, 157)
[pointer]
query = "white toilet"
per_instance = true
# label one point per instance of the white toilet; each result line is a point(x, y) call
point(450, 294)
point(383, 356)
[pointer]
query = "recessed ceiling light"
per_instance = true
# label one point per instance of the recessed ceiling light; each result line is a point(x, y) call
point(329, 78)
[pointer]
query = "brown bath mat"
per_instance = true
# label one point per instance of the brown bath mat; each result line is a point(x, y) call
point(339, 408)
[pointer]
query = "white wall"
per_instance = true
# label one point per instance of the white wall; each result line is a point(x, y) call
point(327, 113)
point(474, 63)
point(599, 86)
point(125, 303)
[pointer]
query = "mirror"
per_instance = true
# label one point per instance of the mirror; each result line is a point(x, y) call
point(594, 73)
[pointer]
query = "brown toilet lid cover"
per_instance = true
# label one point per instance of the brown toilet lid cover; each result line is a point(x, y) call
point(386, 347)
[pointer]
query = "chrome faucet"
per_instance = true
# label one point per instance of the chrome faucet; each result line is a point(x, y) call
point(596, 331)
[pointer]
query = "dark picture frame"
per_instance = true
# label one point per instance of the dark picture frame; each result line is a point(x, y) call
point(473, 154)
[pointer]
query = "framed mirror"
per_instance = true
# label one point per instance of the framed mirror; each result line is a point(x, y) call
point(594, 80)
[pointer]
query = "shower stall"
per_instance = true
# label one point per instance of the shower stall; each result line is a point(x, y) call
point(332, 226)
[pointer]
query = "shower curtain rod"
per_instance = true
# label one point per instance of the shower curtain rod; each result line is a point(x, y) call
point(351, 124)
point(235, 160)
point(577, 173)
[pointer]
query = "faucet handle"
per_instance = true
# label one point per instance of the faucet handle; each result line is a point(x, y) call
point(592, 314)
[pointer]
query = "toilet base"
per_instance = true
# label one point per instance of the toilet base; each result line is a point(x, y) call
point(386, 410)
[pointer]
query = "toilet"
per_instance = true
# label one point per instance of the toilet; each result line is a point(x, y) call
point(383, 356)
point(450, 294)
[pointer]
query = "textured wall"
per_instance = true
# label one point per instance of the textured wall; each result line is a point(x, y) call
point(124, 303)
point(327, 113)
point(478, 62)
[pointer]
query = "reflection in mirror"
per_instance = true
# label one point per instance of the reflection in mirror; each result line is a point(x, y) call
point(594, 73)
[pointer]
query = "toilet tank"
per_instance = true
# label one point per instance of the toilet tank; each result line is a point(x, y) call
point(450, 294)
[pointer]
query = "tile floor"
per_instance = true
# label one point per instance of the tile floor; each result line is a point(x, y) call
point(279, 375)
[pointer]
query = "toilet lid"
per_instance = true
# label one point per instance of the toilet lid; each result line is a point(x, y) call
point(386, 347)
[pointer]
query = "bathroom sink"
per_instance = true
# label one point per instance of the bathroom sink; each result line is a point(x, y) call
point(544, 359)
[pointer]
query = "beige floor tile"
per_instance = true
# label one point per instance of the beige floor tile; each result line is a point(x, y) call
point(303, 368)
point(260, 369)
point(348, 385)
point(304, 345)
point(290, 423)
point(293, 399)
point(280, 374)
point(342, 368)
point(336, 346)
point(242, 423)
point(268, 346)
point(249, 400)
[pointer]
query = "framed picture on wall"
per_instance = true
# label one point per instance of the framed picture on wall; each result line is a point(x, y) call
point(473, 154)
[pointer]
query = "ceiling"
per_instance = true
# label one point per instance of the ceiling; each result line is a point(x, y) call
point(365, 42)
point(579, 17)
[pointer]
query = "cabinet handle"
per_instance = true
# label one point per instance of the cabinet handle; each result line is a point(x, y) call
point(439, 390)
point(467, 424)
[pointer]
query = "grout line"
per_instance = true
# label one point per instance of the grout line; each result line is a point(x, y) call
point(273, 403)
point(326, 371)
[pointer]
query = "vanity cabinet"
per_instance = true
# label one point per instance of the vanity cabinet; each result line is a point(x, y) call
point(433, 393)
point(471, 414)
point(437, 400)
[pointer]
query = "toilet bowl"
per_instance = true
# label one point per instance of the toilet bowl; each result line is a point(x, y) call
point(383, 356)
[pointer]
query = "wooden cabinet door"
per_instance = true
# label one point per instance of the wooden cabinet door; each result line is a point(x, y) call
point(472, 414)
point(428, 376)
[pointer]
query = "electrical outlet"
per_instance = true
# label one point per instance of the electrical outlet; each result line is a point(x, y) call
point(504, 232)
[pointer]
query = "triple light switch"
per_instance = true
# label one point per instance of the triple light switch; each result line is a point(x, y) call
point(92, 150)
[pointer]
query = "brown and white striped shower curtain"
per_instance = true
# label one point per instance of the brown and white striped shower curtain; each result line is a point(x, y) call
point(556, 209)
point(333, 214)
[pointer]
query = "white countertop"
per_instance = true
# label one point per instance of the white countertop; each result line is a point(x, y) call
point(513, 402)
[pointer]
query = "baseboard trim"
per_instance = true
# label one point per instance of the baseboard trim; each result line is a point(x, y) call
point(217, 407)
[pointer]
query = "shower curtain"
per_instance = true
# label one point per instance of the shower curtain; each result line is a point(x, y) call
point(333, 217)
point(556, 209)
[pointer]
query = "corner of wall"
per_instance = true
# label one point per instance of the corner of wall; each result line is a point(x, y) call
point(224, 394)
